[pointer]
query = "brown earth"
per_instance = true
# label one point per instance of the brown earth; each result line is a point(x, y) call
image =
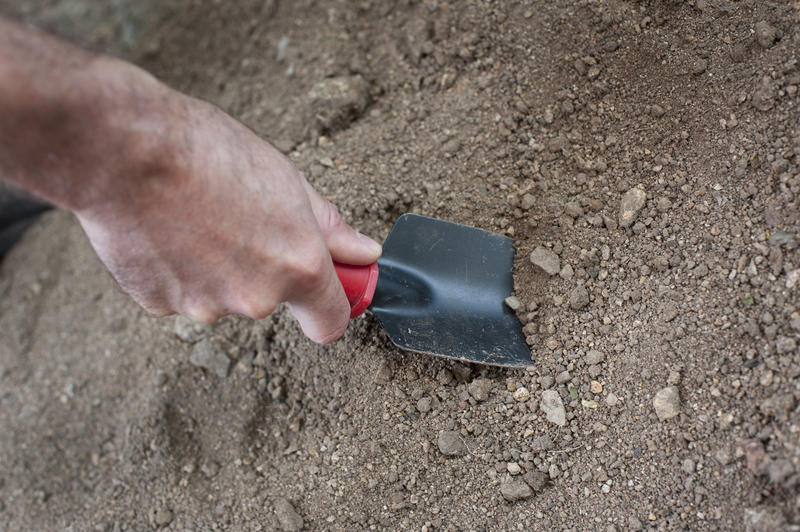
point(532, 119)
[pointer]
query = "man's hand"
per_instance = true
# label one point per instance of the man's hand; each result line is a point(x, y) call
point(190, 211)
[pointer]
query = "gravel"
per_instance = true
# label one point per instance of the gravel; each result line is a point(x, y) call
point(578, 298)
point(479, 389)
point(451, 444)
point(631, 204)
point(667, 403)
point(208, 356)
point(288, 518)
point(553, 407)
point(766, 34)
point(594, 357)
point(514, 489)
point(546, 260)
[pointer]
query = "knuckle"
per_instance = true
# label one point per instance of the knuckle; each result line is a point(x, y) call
point(308, 267)
point(256, 308)
point(200, 313)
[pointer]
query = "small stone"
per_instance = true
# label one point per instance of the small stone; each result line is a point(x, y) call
point(667, 403)
point(546, 260)
point(567, 272)
point(554, 471)
point(527, 202)
point(699, 66)
point(188, 330)
point(688, 466)
point(515, 490)
point(537, 480)
point(451, 444)
point(632, 203)
point(578, 298)
point(563, 377)
point(595, 387)
point(521, 394)
point(573, 210)
point(766, 34)
point(779, 470)
point(513, 302)
point(543, 443)
point(634, 524)
point(594, 357)
point(163, 517)
point(288, 518)
point(612, 399)
point(205, 355)
point(444, 377)
point(513, 468)
point(479, 389)
point(547, 381)
point(338, 101)
point(424, 405)
point(553, 408)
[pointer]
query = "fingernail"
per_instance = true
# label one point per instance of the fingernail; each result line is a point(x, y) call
point(370, 245)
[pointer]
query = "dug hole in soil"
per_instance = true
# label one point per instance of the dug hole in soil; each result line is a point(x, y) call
point(645, 158)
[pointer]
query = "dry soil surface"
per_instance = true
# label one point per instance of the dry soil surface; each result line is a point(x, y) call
point(644, 156)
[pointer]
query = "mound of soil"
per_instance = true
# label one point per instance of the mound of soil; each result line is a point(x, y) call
point(644, 156)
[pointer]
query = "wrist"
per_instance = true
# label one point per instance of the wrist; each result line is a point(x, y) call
point(131, 122)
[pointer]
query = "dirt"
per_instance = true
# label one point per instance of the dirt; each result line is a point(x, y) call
point(663, 388)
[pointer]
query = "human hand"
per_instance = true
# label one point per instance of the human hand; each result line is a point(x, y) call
point(205, 219)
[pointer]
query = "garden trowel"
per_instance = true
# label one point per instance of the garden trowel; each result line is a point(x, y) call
point(439, 288)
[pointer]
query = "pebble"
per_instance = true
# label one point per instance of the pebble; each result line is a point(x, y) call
point(513, 302)
point(667, 403)
point(632, 203)
point(337, 101)
point(451, 444)
point(595, 387)
point(594, 357)
point(537, 480)
point(527, 202)
point(479, 389)
point(553, 408)
point(612, 399)
point(515, 490)
point(521, 394)
point(513, 468)
point(578, 298)
point(547, 381)
point(205, 355)
point(543, 443)
point(424, 405)
point(546, 260)
point(766, 34)
point(287, 516)
point(188, 330)
point(163, 517)
point(563, 377)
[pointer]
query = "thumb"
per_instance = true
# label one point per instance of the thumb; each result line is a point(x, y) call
point(345, 244)
point(323, 313)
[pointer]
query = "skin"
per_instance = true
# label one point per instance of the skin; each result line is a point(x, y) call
point(191, 212)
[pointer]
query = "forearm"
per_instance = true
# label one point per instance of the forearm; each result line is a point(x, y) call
point(72, 119)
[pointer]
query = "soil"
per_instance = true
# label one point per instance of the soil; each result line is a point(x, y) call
point(663, 391)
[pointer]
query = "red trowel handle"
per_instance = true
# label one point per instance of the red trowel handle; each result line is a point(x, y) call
point(359, 285)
